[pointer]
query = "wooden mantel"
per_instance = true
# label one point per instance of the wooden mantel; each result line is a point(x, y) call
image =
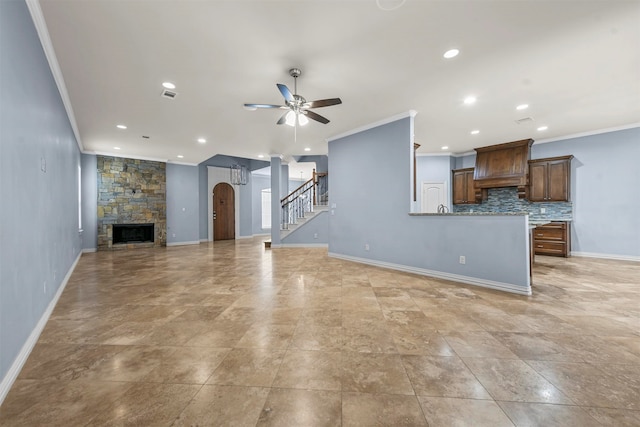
point(503, 165)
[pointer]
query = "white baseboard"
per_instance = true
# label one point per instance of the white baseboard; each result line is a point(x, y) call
point(500, 286)
point(195, 242)
point(606, 256)
point(26, 349)
point(89, 250)
point(300, 245)
point(204, 240)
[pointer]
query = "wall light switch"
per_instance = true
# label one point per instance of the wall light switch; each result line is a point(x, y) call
point(184, 209)
point(543, 210)
point(43, 164)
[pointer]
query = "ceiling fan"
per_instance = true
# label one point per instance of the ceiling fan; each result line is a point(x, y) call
point(299, 108)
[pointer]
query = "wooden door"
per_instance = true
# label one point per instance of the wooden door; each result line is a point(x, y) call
point(538, 179)
point(224, 213)
point(470, 188)
point(459, 188)
point(558, 181)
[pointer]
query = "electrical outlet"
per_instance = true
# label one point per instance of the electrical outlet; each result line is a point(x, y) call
point(366, 247)
point(543, 210)
point(174, 234)
point(315, 235)
point(463, 260)
point(44, 285)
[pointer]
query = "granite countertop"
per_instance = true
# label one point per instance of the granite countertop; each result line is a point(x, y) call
point(532, 221)
point(470, 214)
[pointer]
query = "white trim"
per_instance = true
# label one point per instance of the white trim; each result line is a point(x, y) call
point(410, 113)
point(588, 133)
point(606, 256)
point(194, 242)
point(500, 286)
point(50, 53)
point(127, 156)
point(89, 250)
point(301, 245)
point(445, 153)
point(26, 349)
point(204, 240)
point(173, 162)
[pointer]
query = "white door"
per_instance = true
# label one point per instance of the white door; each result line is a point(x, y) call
point(433, 195)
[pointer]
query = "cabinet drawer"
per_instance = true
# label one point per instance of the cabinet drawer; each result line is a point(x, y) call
point(544, 233)
point(549, 248)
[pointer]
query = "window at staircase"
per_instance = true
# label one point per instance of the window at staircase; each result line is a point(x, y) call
point(266, 208)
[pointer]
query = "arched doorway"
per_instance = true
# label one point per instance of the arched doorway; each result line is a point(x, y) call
point(224, 213)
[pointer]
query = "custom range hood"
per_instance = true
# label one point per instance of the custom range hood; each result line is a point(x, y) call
point(503, 165)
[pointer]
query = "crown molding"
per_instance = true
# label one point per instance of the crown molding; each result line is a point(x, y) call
point(47, 46)
point(588, 133)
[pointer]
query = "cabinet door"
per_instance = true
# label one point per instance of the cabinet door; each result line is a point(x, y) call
point(470, 196)
point(538, 179)
point(558, 181)
point(459, 184)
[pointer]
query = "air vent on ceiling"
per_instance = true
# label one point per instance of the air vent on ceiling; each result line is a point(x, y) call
point(169, 94)
point(524, 120)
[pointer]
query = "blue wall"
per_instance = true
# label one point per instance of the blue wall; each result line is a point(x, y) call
point(370, 177)
point(433, 169)
point(39, 237)
point(182, 204)
point(605, 190)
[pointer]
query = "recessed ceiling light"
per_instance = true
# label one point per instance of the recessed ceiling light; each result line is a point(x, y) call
point(202, 140)
point(445, 147)
point(522, 107)
point(116, 148)
point(307, 149)
point(121, 126)
point(475, 132)
point(451, 53)
point(470, 100)
point(541, 128)
point(260, 156)
point(180, 156)
point(168, 85)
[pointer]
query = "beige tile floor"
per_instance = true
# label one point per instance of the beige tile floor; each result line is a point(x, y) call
point(232, 334)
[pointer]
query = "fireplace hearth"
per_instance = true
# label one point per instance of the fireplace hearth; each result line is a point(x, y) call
point(133, 233)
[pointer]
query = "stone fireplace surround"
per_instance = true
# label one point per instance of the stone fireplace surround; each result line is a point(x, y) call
point(130, 191)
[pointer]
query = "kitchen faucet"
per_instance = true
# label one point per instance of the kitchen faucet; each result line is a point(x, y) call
point(442, 209)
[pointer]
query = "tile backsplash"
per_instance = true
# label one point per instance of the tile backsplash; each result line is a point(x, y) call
point(506, 200)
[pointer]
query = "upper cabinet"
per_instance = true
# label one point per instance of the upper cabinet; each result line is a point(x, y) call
point(463, 187)
point(550, 179)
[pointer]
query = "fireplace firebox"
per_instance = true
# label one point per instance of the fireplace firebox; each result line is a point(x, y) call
point(132, 233)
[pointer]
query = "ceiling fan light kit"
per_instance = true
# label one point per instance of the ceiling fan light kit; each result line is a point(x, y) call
point(299, 110)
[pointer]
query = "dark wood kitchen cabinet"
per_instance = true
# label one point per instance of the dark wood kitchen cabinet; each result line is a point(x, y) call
point(550, 179)
point(463, 187)
point(553, 238)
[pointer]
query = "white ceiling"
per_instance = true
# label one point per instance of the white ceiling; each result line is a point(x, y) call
point(576, 63)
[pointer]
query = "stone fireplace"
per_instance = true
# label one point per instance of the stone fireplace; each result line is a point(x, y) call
point(131, 203)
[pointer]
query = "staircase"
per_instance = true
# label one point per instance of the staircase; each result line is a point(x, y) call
point(304, 202)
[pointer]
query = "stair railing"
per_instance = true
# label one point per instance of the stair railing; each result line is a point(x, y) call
point(303, 199)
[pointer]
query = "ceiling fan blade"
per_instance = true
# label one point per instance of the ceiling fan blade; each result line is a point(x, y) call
point(323, 103)
point(315, 116)
point(264, 106)
point(284, 90)
point(283, 119)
